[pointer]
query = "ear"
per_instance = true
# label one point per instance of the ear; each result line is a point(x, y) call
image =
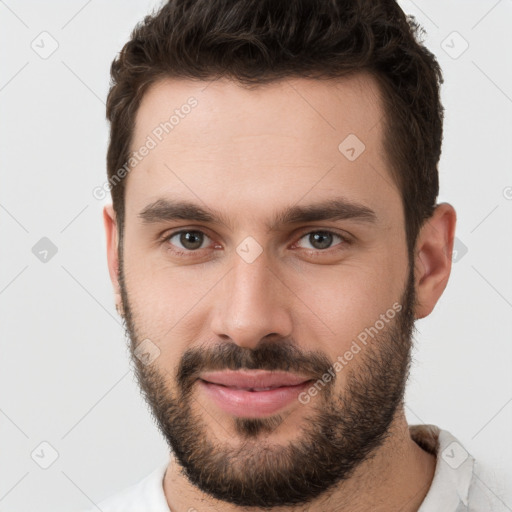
point(433, 258)
point(110, 224)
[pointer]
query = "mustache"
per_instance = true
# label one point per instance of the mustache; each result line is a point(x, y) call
point(268, 355)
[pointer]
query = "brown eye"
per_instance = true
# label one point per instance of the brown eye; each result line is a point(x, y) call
point(191, 240)
point(322, 240)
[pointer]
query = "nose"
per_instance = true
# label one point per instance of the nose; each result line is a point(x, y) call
point(251, 303)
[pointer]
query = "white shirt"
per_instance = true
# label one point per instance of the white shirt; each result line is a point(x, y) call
point(458, 484)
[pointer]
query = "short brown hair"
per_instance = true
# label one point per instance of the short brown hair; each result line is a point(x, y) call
point(260, 41)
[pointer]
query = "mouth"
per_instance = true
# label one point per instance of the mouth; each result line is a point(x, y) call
point(252, 393)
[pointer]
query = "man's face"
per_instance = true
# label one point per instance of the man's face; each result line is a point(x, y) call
point(255, 289)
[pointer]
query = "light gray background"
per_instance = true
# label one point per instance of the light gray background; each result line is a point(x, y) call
point(65, 377)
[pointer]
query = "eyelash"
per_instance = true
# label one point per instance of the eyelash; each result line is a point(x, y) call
point(190, 253)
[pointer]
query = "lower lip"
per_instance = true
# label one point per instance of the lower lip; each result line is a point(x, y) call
point(251, 404)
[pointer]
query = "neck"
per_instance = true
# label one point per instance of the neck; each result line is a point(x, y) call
point(396, 477)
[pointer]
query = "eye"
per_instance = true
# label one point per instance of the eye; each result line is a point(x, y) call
point(186, 242)
point(189, 239)
point(322, 240)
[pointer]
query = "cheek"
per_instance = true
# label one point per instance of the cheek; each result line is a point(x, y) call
point(339, 302)
point(165, 300)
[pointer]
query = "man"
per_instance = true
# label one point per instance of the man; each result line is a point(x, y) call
point(273, 236)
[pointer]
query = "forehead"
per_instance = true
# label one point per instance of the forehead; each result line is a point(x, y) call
point(225, 144)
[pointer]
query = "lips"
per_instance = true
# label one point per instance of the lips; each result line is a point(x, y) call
point(252, 393)
point(254, 380)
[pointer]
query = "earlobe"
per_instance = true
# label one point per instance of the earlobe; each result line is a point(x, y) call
point(433, 260)
point(112, 238)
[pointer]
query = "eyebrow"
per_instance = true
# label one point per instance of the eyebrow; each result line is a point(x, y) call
point(165, 210)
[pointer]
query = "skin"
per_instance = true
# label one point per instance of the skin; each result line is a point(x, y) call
point(250, 154)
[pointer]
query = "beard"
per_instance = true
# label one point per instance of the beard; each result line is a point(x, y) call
point(339, 432)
